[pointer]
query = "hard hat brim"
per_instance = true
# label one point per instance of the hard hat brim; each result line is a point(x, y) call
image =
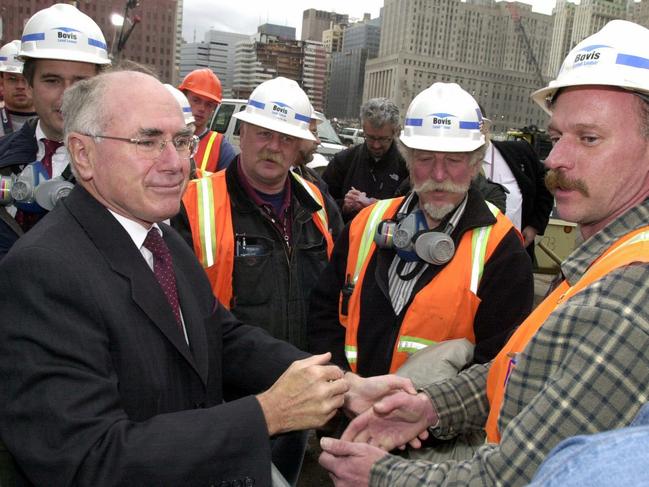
point(275, 125)
point(11, 69)
point(441, 144)
point(204, 94)
point(63, 55)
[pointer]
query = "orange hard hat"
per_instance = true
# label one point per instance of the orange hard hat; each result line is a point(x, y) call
point(203, 82)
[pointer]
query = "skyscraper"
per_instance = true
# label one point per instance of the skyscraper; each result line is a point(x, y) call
point(476, 44)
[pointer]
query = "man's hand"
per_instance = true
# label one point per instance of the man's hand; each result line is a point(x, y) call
point(393, 422)
point(364, 392)
point(306, 396)
point(351, 201)
point(348, 463)
point(364, 201)
point(529, 234)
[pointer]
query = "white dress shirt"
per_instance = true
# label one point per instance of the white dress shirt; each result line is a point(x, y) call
point(138, 233)
point(496, 170)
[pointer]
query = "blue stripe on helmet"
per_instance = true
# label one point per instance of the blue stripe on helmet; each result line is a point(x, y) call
point(97, 43)
point(66, 29)
point(302, 118)
point(4, 58)
point(633, 61)
point(38, 36)
point(414, 122)
point(469, 125)
point(187, 109)
point(257, 104)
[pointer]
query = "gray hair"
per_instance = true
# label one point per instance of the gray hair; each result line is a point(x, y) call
point(84, 108)
point(379, 111)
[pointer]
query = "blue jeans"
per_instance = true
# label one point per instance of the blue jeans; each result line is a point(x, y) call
point(615, 458)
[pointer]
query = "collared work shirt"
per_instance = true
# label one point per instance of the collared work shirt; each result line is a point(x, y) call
point(585, 371)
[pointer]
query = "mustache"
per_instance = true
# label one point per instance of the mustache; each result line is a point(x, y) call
point(557, 180)
point(446, 186)
point(271, 156)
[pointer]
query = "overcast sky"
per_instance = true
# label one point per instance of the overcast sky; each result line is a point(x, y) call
point(243, 16)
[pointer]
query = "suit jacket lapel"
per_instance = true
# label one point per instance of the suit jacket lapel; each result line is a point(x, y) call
point(194, 320)
point(115, 244)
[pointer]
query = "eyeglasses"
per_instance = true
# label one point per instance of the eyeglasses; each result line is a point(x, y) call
point(381, 140)
point(151, 147)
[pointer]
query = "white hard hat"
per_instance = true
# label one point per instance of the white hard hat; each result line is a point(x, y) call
point(443, 118)
point(279, 104)
point(64, 33)
point(183, 102)
point(317, 116)
point(615, 56)
point(8, 61)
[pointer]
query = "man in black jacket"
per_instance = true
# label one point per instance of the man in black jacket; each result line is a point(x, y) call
point(373, 170)
point(35, 153)
point(516, 166)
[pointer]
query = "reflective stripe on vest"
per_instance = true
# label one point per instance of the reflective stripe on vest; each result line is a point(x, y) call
point(633, 247)
point(210, 159)
point(207, 203)
point(208, 207)
point(465, 271)
point(207, 230)
point(322, 220)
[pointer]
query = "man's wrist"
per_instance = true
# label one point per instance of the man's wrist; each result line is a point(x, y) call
point(432, 418)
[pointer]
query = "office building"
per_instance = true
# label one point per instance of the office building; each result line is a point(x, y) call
point(315, 22)
point(477, 44)
point(347, 71)
point(216, 52)
point(152, 42)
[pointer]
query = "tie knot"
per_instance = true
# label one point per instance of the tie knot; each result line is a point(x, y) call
point(51, 145)
point(155, 243)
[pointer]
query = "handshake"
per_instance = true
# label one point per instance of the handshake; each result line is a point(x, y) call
point(387, 410)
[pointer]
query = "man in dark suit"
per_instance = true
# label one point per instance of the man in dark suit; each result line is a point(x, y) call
point(114, 354)
point(515, 165)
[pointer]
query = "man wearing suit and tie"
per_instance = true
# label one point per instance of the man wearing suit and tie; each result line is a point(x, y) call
point(516, 166)
point(114, 354)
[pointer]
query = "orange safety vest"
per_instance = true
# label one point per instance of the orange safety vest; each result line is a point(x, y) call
point(633, 247)
point(207, 202)
point(208, 152)
point(445, 308)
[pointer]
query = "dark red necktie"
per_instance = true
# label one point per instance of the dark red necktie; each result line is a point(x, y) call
point(50, 149)
point(163, 269)
point(27, 219)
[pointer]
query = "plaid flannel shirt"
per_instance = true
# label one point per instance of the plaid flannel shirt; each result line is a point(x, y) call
point(585, 371)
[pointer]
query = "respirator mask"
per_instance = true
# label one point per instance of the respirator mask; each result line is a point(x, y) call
point(32, 190)
point(408, 233)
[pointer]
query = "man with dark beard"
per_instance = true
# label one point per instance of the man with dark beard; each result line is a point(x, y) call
point(437, 265)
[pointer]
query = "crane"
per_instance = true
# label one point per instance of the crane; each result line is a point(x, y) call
point(516, 18)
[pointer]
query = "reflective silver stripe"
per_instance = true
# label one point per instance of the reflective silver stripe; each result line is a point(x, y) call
point(206, 224)
point(368, 235)
point(479, 241)
point(321, 213)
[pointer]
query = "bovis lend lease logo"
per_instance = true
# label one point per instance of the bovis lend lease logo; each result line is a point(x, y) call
point(442, 120)
point(66, 34)
point(589, 55)
point(280, 110)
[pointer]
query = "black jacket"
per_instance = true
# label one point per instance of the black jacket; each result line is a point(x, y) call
point(100, 387)
point(506, 292)
point(16, 150)
point(19, 148)
point(272, 290)
point(529, 173)
point(356, 167)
